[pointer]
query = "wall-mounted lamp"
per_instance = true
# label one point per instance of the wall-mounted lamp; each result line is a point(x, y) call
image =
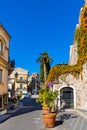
point(16, 75)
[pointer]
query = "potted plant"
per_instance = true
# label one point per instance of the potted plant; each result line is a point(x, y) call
point(47, 99)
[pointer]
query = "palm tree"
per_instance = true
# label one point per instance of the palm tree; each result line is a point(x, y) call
point(44, 61)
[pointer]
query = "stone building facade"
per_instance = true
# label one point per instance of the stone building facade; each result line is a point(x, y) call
point(74, 90)
point(4, 65)
point(18, 80)
point(34, 82)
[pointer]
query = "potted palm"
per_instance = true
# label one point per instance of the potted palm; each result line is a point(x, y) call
point(47, 99)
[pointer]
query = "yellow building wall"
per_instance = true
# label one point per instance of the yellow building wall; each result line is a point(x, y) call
point(23, 81)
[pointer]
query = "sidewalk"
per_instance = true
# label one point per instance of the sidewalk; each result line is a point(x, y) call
point(6, 116)
point(82, 112)
point(9, 112)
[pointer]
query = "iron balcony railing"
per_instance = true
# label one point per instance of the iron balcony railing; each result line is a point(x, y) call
point(21, 81)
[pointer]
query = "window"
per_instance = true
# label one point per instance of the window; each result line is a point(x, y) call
point(0, 46)
point(21, 78)
point(21, 86)
point(5, 98)
point(0, 75)
point(0, 101)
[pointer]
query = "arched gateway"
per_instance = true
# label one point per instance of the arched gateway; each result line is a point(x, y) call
point(67, 94)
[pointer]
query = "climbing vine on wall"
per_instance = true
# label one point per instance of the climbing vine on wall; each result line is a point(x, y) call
point(80, 39)
point(62, 69)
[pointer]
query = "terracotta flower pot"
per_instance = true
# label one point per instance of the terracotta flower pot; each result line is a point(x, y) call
point(46, 110)
point(49, 120)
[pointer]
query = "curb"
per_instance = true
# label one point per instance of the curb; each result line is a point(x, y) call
point(8, 114)
point(20, 105)
point(4, 117)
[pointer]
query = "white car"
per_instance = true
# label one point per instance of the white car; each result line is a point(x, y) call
point(25, 95)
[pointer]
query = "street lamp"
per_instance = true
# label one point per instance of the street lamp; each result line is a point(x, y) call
point(16, 92)
point(15, 78)
point(16, 75)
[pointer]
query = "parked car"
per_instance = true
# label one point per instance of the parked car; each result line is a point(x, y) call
point(34, 91)
point(25, 95)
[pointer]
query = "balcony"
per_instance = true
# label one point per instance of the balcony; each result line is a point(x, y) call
point(21, 81)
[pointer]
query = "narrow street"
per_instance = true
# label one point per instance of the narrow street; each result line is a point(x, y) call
point(29, 117)
point(29, 105)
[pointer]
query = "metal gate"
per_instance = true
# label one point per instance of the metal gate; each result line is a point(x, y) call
point(66, 95)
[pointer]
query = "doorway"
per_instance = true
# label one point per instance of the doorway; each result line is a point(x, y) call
point(66, 95)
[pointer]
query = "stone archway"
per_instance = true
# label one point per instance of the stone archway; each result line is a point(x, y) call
point(68, 94)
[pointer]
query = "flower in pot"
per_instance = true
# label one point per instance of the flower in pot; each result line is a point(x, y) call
point(47, 99)
point(43, 99)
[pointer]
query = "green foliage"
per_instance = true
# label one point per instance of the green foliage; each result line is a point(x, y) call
point(72, 105)
point(20, 95)
point(47, 97)
point(80, 39)
point(63, 69)
point(78, 34)
point(48, 67)
point(41, 73)
point(44, 59)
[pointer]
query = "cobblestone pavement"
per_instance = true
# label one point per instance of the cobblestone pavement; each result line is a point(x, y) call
point(70, 121)
point(67, 120)
point(64, 121)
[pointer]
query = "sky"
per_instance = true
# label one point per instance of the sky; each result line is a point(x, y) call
point(36, 26)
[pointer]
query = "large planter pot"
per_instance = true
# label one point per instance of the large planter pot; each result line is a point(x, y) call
point(49, 120)
point(46, 110)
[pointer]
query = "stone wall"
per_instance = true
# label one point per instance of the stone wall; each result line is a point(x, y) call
point(73, 54)
point(77, 86)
